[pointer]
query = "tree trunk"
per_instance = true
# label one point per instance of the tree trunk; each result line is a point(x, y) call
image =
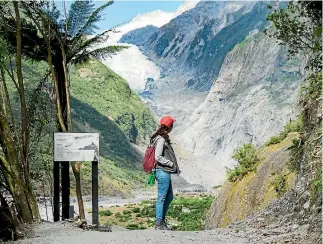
point(24, 114)
point(7, 224)
point(63, 87)
point(77, 174)
point(14, 163)
point(25, 201)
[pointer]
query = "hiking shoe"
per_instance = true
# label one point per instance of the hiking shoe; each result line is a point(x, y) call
point(161, 226)
point(168, 227)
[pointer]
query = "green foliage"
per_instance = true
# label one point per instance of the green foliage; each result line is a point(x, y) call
point(280, 185)
point(126, 212)
point(145, 202)
point(136, 210)
point(118, 215)
point(148, 211)
point(316, 188)
point(193, 219)
point(300, 26)
point(247, 159)
point(113, 99)
point(189, 213)
point(79, 12)
point(312, 89)
point(296, 152)
point(292, 126)
point(105, 213)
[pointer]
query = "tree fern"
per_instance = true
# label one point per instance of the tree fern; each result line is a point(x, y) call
point(80, 11)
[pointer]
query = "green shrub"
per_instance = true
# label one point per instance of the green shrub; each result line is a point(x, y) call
point(105, 213)
point(136, 210)
point(312, 89)
point(194, 218)
point(316, 188)
point(292, 126)
point(247, 159)
point(118, 215)
point(148, 211)
point(126, 212)
point(280, 185)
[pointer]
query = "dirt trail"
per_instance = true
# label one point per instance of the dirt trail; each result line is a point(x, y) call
point(62, 233)
point(66, 233)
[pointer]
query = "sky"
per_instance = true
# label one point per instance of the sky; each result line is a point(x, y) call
point(123, 11)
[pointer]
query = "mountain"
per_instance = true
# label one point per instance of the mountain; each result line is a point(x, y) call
point(130, 63)
point(155, 18)
point(190, 49)
point(254, 96)
point(139, 36)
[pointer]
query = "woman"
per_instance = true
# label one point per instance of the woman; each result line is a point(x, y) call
point(166, 164)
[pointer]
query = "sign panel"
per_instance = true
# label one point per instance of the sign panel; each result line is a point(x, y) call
point(76, 146)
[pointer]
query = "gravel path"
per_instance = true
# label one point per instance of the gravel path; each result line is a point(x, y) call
point(66, 233)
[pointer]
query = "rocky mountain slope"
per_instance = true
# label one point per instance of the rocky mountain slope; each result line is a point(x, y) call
point(139, 36)
point(257, 189)
point(254, 96)
point(294, 217)
point(190, 49)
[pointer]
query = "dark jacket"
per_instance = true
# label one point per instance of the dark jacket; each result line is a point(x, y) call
point(165, 156)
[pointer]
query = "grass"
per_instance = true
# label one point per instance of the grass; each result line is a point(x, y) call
point(186, 213)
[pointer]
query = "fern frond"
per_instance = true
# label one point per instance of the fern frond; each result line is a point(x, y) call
point(80, 11)
point(97, 53)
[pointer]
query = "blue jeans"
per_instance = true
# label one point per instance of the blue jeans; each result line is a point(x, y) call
point(165, 194)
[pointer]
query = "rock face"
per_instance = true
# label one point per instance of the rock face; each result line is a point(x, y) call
point(139, 36)
point(254, 96)
point(191, 48)
point(296, 217)
point(255, 191)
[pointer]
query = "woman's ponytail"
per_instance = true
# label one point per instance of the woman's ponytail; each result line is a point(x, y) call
point(162, 131)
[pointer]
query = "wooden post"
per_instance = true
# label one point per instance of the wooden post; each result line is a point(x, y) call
point(95, 193)
point(56, 191)
point(65, 190)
